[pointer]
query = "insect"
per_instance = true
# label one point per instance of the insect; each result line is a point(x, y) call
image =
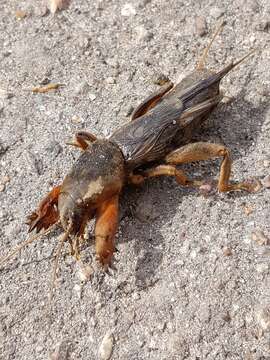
point(152, 144)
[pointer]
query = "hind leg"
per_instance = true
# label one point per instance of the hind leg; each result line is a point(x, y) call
point(206, 151)
point(196, 152)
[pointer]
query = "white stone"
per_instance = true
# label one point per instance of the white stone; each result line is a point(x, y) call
point(106, 346)
point(128, 10)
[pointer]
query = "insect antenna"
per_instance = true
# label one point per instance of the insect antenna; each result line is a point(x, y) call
point(19, 247)
point(63, 238)
point(243, 58)
point(201, 62)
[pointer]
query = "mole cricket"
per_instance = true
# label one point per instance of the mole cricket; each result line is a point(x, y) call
point(152, 144)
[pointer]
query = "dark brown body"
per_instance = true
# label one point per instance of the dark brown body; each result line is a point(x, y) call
point(162, 129)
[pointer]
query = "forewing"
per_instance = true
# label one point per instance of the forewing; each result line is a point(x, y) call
point(148, 137)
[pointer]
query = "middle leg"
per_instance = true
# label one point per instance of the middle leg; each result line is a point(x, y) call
point(164, 170)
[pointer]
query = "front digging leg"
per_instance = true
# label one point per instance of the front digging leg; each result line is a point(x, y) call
point(47, 213)
point(105, 230)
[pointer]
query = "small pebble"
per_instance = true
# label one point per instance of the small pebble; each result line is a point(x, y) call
point(35, 163)
point(129, 111)
point(251, 5)
point(45, 80)
point(266, 182)
point(85, 272)
point(5, 179)
point(264, 90)
point(143, 34)
point(81, 88)
point(92, 96)
point(136, 296)
point(263, 318)
point(248, 209)
point(76, 119)
point(39, 348)
point(106, 347)
point(58, 5)
point(200, 26)
point(2, 187)
point(216, 12)
point(41, 10)
point(263, 25)
point(78, 290)
point(252, 39)
point(20, 14)
point(112, 62)
point(226, 317)
point(98, 306)
point(54, 148)
point(110, 80)
point(260, 238)
point(264, 251)
point(4, 94)
point(262, 268)
point(143, 3)
point(128, 10)
point(3, 149)
point(227, 251)
point(61, 351)
point(152, 345)
point(83, 41)
point(206, 188)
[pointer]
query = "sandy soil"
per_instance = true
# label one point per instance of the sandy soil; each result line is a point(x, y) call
point(192, 278)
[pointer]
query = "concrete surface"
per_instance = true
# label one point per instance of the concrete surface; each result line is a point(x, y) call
point(192, 278)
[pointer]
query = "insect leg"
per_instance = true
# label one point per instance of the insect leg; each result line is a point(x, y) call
point(47, 213)
point(206, 151)
point(201, 63)
point(82, 140)
point(165, 170)
point(105, 229)
point(151, 101)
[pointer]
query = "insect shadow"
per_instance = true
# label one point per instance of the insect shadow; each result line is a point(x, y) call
point(237, 126)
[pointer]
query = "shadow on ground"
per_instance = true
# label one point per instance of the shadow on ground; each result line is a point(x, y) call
point(238, 128)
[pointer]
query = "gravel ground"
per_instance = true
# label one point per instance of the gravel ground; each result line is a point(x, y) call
point(192, 278)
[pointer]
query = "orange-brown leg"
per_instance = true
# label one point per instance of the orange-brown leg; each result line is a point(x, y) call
point(196, 152)
point(105, 230)
point(151, 101)
point(206, 151)
point(47, 213)
point(82, 140)
point(164, 170)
